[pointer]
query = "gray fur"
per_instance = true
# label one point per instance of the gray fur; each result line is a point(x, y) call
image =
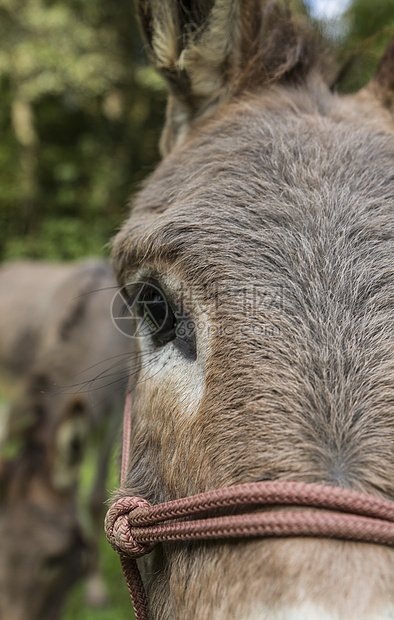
point(64, 367)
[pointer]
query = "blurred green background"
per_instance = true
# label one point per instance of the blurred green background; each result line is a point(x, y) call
point(80, 119)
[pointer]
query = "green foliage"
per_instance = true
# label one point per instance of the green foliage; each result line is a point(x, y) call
point(119, 607)
point(367, 28)
point(61, 239)
point(80, 120)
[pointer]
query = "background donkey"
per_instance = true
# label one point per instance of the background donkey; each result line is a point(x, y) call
point(268, 228)
point(63, 365)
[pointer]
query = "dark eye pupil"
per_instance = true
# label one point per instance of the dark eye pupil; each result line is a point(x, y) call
point(155, 312)
point(157, 315)
point(150, 314)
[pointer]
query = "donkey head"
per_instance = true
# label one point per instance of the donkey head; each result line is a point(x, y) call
point(259, 259)
point(37, 570)
point(42, 552)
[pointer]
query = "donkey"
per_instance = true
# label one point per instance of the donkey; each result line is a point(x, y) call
point(265, 239)
point(63, 365)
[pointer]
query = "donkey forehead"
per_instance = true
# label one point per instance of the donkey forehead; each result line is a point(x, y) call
point(250, 178)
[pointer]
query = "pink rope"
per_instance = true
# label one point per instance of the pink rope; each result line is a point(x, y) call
point(126, 437)
point(265, 493)
point(129, 565)
point(134, 526)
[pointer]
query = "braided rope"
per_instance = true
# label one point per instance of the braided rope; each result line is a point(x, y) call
point(278, 524)
point(136, 587)
point(133, 526)
point(266, 493)
point(126, 437)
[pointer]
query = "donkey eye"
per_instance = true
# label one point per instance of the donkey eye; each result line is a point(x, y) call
point(158, 318)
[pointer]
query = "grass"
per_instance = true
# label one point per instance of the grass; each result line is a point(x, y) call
point(119, 606)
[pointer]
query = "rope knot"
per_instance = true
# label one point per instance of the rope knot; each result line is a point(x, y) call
point(120, 534)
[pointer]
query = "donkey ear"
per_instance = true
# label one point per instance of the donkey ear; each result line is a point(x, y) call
point(192, 45)
point(383, 83)
point(207, 49)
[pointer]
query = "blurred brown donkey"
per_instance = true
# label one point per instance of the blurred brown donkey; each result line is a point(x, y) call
point(64, 366)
